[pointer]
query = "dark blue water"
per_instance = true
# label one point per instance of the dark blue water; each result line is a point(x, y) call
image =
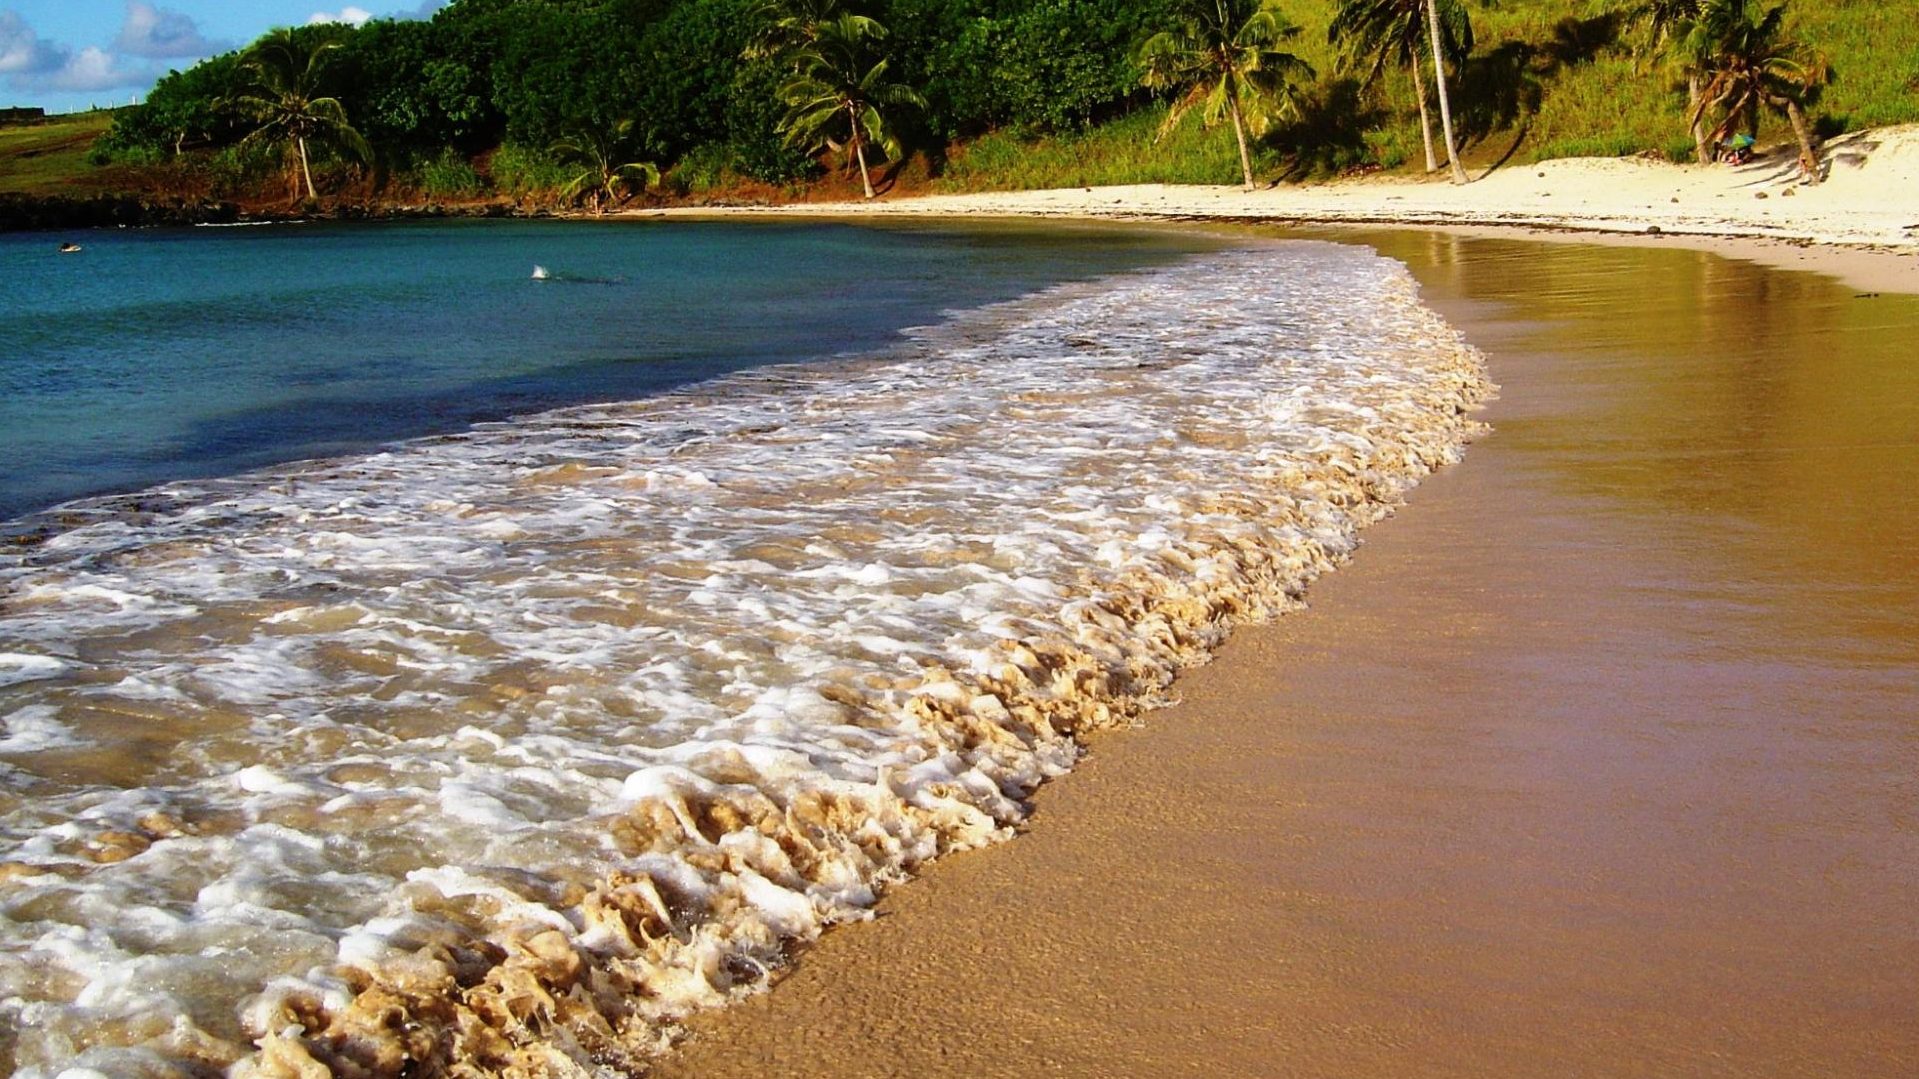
point(171, 354)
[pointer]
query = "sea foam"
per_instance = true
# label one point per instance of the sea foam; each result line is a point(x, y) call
point(511, 747)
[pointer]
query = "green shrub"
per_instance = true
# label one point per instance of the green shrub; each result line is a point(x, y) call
point(520, 171)
point(1394, 145)
point(448, 176)
point(1123, 151)
point(753, 113)
point(704, 168)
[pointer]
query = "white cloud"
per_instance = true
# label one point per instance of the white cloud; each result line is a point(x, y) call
point(159, 34)
point(30, 64)
point(352, 16)
point(89, 70)
point(22, 53)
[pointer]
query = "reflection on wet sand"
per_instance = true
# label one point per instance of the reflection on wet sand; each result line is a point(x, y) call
point(1599, 760)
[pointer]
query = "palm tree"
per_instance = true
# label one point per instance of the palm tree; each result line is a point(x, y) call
point(1394, 32)
point(786, 26)
point(1749, 65)
point(1445, 105)
point(1225, 56)
point(596, 151)
point(285, 98)
point(1666, 24)
point(839, 85)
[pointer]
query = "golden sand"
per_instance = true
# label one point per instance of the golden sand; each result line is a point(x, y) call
point(1596, 762)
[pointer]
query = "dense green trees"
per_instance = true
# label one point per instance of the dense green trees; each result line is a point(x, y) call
point(686, 73)
point(480, 94)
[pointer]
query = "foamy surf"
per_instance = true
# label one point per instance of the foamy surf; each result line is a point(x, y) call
point(506, 749)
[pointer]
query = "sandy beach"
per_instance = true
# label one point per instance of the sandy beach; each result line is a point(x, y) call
point(1861, 223)
point(1595, 761)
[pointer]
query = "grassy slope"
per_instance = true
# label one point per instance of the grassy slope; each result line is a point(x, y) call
point(1543, 95)
point(51, 158)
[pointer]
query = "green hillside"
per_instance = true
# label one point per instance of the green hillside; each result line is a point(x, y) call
point(542, 101)
point(1547, 79)
point(50, 157)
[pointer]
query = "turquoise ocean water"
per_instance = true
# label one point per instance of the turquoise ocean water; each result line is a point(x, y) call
point(445, 630)
point(156, 355)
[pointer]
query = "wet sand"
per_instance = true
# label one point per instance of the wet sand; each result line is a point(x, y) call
point(1602, 758)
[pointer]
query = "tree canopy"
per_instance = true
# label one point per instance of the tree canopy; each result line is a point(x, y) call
point(483, 73)
point(485, 89)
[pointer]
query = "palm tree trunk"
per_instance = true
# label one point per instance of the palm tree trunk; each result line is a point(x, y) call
point(1445, 107)
point(1701, 147)
point(859, 152)
point(1808, 156)
point(1425, 118)
point(1239, 132)
point(305, 169)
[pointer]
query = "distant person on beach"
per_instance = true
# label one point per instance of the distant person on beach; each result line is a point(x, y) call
point(1737, 150)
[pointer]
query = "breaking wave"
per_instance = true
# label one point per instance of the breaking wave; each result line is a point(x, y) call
point(495, 753)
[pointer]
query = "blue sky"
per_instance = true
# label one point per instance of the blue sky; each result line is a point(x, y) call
point(72, 54)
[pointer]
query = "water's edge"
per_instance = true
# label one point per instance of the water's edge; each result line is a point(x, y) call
point(1115, 475)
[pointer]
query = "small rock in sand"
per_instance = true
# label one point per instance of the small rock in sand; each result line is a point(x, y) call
point(1759, 194)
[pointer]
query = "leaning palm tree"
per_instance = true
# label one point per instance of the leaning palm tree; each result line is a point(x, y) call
point(1750, 65)
point(595, 152)
point(285, 97)
point(1380, 33)
point(838, 90)
point(1665, 26)
point(1225, 56)
point(1445, 103)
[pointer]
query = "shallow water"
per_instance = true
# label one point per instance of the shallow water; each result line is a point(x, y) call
point(166, 354)
point(1599, 760)
point(570, 723)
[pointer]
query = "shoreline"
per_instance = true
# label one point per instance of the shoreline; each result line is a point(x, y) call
point(1861, 224)
point(1359, 845)
point(921, 634)
point(1872, 268)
